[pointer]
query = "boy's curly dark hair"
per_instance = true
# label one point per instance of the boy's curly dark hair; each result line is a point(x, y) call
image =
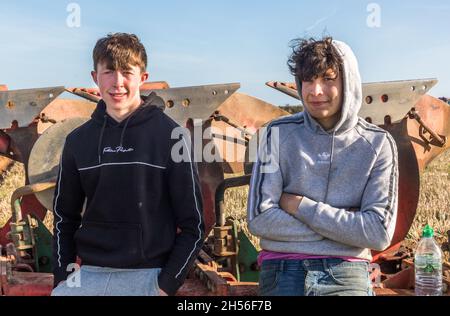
point(312, 58)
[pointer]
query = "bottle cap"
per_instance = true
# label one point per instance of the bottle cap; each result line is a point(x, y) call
point(428, 231)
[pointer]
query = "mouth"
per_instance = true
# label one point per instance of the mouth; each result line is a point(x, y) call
point(317, 103)
point(118, 96)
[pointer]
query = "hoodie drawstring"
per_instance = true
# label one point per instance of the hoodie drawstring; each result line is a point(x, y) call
point(101, 139)
point(332, 148)
point(123, 131)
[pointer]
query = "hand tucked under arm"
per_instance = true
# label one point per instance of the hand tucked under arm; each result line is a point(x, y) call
point(290, 203)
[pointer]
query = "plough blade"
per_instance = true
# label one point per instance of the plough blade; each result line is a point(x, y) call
point(22, 106)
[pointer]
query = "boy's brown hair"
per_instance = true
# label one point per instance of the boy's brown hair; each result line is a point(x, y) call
point(311, 58)
point(119, 51)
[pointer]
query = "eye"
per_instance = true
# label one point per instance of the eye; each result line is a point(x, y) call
point(330, 79)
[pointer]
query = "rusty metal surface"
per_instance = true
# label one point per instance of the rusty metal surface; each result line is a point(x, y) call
point(405, 279)
point(414, 155)
point(409, 182)
point(63, 109)
point(5, 141)
point(251, 114)
point(392, 98)
point(22, 140)
point(207, 280)
point(31, 189)
point(380, 99)
point(287, 88)
point(224, 241)
point(194, 102)
point(436, 114)
point(155, 85)
point(393, 292)
point(401, 283)
point(211, 175)
point(44, 158)
point(22, 106)
point(195, 287)
point(434, 138)
point(92, 95)
point(14, 283)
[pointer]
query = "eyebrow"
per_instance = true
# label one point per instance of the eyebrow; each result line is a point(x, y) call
point(111, 69)
point(331, 75)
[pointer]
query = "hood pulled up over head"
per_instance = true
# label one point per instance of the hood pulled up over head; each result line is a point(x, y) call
point(351, 89)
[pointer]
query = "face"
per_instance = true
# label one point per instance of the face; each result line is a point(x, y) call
point(322, 98)
point(119, 88)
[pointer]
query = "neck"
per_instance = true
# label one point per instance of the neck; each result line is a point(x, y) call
point(329, 122)
point(122, 114)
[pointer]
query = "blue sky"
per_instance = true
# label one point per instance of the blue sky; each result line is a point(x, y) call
point(206, 42)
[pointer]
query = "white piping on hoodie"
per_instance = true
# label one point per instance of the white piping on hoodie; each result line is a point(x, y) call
point(122, 163)
point(55, 207)
point(196, 207)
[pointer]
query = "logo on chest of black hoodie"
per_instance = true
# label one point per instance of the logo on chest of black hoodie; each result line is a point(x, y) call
point(118, 149)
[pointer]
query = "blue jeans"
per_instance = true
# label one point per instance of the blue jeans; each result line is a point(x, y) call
point(99, 281)
point(316, 277)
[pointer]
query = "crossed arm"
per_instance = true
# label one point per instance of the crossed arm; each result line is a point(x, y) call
point(280, 216)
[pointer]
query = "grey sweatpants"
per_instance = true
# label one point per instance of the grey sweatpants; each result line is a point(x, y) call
point(100, 281)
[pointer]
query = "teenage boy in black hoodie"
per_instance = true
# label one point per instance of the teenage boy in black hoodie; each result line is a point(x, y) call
point(142, 227)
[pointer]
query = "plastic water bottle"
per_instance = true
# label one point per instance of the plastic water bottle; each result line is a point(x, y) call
point(428, 265)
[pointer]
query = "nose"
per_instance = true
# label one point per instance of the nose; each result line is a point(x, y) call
point(316, 88)
point(118, 79)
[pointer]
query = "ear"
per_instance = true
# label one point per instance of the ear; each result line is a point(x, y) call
point(144, 77)
point(94, 77)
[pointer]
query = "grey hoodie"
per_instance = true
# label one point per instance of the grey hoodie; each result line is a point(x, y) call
point(348, 177)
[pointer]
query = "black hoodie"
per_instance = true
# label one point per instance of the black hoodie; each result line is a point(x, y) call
point(136, 197)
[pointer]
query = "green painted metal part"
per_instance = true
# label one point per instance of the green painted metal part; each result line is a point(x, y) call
point(247, 259)
point(31, 237)
point(244, 265)
point(43, 247)
point(234, 262)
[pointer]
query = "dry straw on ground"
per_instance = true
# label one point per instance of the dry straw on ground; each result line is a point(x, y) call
point(9, 181)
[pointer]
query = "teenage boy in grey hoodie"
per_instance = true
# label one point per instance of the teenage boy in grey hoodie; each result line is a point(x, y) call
point(325, 184)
